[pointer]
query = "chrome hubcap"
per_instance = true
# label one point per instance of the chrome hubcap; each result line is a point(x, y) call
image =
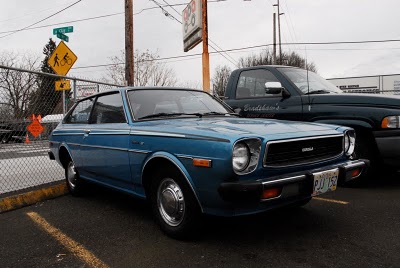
point(71, 175)
point(170, 201)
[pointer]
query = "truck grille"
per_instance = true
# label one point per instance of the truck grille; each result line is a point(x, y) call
point(302, 151)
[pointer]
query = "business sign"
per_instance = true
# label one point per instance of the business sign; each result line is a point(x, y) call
point(62, 59)
point(192, 24)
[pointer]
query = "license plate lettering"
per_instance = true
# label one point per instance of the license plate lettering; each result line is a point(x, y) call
point(325, 181)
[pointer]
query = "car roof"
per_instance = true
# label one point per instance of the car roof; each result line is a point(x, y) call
point(138, 88)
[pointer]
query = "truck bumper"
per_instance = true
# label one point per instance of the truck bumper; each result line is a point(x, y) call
point(292, 186)
point(388, 142)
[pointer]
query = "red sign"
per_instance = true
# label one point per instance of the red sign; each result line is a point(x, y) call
point(35, 128)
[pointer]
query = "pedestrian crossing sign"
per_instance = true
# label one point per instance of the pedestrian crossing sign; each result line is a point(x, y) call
point(62, 59)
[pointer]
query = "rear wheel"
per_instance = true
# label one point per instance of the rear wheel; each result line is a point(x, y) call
point(174, 205)
point(73, 181)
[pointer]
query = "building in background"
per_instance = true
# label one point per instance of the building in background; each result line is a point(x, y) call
point(378, 84)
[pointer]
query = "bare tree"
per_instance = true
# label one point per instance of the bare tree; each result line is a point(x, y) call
point(16, 87)
point(266, 58)
point(148, 71)
point(220, 79)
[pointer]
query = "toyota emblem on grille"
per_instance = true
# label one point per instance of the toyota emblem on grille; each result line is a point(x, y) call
point(307, 149)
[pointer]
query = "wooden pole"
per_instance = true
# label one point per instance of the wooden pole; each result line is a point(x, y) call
point(205, 55)
point(274, 37)
point(129, 53)
point(279, 32)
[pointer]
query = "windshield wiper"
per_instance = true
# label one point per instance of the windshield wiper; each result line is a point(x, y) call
point(320, 91)
point(218, 113)
point(168, 114)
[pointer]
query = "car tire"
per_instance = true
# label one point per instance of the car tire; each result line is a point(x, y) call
point(74, 183)
point(174, 204)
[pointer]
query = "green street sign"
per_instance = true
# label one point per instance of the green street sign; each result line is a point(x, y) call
point(63, 37)
point(63, 30)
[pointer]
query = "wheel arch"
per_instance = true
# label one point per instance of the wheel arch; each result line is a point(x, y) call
point(64, 154)
point(162, 158)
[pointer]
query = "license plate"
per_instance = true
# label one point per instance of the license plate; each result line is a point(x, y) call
point(325, 181)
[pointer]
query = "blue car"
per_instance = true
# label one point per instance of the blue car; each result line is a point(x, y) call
point(189, 154)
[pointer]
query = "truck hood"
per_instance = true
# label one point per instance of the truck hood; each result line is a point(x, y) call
point(233, 128)
point(370, 100)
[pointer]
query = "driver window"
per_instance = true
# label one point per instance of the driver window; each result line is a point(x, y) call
point(251, 84)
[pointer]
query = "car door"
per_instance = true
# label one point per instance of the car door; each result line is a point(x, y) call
point(106, 142)
point(252, 100)
point(72, 130)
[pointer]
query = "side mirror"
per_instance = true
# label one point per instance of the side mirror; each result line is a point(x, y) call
point(273, 87)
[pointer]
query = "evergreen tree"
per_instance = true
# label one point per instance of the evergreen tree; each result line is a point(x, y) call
point(45, 100)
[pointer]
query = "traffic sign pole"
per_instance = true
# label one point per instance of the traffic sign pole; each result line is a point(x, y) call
point(205, 55)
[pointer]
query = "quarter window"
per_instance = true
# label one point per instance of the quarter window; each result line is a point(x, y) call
point(108, 109)
point(251, 84)
point(81, 113)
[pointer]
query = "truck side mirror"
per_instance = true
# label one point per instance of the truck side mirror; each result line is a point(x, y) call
point(273, 88)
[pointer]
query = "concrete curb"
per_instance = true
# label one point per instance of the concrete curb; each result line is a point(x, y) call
point(32, 197)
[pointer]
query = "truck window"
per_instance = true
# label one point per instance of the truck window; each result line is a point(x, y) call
point(251, 84)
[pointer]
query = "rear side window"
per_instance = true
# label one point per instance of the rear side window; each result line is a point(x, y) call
point(251, 84)
point(81, 113)
point(108, 109)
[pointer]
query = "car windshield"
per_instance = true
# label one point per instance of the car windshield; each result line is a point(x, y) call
point(153, 103)
point(314, 84)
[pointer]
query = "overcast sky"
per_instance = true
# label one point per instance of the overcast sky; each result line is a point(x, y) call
point(232, 24)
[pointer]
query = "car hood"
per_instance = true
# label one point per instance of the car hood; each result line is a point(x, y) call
point(370, 100)
point(233, 128)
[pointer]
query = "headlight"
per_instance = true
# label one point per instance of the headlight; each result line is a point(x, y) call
point(349, 142)
point(241, 156)
point(391, 122)
point(245, 155)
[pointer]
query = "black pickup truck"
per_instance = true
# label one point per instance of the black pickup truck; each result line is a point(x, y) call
point(291, 93)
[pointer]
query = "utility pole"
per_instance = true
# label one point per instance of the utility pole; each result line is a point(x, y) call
point(279, 33)
point(129, 54)
point(274, 37)
point(205, 55)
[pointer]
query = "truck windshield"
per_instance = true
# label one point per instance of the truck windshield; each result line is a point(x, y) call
point(315, 84)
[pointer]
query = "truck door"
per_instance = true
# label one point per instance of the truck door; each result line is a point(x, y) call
point(251, 99)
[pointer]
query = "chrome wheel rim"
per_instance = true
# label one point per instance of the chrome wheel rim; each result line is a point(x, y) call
point(71, 175)
point(171, 202)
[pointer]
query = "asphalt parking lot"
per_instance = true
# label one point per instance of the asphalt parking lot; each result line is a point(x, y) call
point(352, 227)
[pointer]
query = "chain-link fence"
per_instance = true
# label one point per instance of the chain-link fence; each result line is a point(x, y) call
point(26, 99)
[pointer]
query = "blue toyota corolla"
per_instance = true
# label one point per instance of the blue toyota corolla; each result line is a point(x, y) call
point(189, 154)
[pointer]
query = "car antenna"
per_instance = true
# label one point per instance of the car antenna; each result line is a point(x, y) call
point(308, 82)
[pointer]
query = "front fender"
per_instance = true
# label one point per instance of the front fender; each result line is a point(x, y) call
point(177, 163)
point(346, 122)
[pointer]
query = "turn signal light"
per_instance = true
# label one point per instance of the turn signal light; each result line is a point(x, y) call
point(271, 193)
point(355, 173)
point(201, 162)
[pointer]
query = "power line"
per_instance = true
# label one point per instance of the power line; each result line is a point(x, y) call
point(263, 46)
point(41, 19)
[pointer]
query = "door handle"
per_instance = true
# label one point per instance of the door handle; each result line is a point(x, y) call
point(86, 131)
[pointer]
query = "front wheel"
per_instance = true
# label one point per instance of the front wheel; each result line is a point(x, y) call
point(74, 182)
point(174, 205)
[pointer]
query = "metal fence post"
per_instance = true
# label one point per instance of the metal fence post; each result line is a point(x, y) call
point(74, 90)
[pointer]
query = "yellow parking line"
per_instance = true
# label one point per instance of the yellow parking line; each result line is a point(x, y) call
point(331, 200)
point(78, 250)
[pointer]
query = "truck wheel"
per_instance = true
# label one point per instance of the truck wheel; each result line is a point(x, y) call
point(174, 204)
point(74, 183)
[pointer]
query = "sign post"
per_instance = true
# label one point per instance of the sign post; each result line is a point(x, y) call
point(195, 30)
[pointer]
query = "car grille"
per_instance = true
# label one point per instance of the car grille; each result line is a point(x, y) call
point(302, 151)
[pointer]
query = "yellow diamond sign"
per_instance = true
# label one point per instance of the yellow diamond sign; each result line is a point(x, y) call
point(63, 85)
point(62, 59)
